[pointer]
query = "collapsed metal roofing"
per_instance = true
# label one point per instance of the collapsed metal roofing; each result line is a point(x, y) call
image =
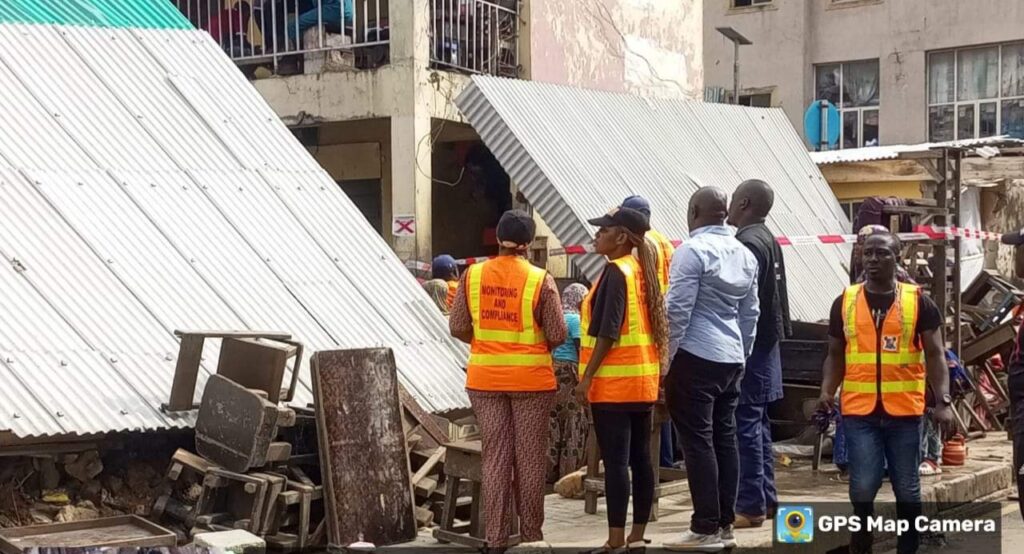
point(145, 186)
point(987, 147)
point(576, 153)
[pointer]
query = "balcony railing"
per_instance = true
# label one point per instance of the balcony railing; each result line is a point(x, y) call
point(261, 31)
point(477, 36)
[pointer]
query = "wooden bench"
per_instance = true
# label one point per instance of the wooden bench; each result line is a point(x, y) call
point(464, 462)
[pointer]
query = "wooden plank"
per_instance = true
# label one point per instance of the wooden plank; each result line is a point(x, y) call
point(186, 371)
point(428, 466)
point(255, 364)
point(244, 334)
point(234, 427)
point(356, 391)
point(98, 533)
point(424, 418)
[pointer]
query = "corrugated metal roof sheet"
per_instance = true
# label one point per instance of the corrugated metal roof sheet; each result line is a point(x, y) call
point(575, 153)
point(985, 147)
point(145, 186)
point(161, 14)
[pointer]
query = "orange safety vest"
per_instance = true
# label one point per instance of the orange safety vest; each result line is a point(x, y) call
point(889, 363)
point(665, 250)
point(453, 287)
point(631, 370)
point(509, 351)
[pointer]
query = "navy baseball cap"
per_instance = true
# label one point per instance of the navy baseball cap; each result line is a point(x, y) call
point(443, 265)
point(638, 203)
point(632, 220)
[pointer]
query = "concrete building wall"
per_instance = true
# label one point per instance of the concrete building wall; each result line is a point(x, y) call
point(791, 36)
point(646, 47)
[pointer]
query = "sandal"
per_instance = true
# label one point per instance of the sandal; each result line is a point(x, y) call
point(606, 549)
point(637, 546)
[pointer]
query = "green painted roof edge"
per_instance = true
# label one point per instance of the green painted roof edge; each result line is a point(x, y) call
point(137, 14)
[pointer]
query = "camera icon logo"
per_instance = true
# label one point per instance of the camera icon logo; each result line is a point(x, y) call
point(794, 524)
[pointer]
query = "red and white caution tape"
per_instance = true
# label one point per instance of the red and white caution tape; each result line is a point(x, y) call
point(921, 232)
point(424, 266)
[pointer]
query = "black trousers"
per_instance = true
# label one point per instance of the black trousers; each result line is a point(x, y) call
point(701, 396)
point(1015, 384)
point(625, 441)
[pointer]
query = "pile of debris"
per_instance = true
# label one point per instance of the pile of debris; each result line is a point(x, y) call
point(990, 307)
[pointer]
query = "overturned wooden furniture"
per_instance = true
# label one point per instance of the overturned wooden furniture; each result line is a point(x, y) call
point(463, 462)
point(253, 358)
point(669, 481)
point(363, 458)
point(236, 427)
point(111, 532)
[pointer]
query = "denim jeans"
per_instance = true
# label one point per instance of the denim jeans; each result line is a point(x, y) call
point(757, 495)
point(871, 441)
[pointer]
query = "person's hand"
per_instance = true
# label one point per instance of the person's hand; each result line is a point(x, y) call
point(943, 416)
point(581, 391)
point(826, 402)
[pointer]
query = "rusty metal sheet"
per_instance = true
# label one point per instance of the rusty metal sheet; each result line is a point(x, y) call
point(362, 447)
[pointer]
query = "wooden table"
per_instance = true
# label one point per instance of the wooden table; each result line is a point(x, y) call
point(463, 461)
point(670, 481)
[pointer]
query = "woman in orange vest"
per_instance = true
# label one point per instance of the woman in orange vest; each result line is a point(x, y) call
point(510, 314)
point(623, 348)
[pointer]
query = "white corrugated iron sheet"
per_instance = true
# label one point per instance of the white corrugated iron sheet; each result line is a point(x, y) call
point(145, 186)
point(576, 153)
point(985, 147)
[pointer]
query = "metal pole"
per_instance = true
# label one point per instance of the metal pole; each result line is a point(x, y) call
point(735, 72)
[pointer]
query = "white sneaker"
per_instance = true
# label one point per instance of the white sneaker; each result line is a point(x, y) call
point(728, 536)
point(695, 542)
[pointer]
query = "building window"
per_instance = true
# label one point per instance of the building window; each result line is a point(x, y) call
point(756, 100)
point(976, 92)
point(850, 208)
point(746, 3)
point(853, 87)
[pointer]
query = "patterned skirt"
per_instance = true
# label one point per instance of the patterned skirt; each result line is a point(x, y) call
point(569, 428)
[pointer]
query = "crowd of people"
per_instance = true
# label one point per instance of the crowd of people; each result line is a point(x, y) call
point(697, 328)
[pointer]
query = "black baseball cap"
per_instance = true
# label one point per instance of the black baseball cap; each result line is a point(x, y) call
point(1015, 238)
point(632, 220)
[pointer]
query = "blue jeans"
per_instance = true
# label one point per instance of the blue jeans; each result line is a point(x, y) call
point(757, 494)
point(931, 440)
point(872, 441)
point(668, 450)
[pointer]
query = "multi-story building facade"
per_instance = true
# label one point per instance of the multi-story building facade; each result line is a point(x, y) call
point(899, 71)
point(368, 86)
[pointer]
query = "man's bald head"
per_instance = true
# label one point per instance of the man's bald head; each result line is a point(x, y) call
point(708, 206)
point(751, 203)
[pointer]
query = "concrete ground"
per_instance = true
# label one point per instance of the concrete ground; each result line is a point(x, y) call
point(987, 475)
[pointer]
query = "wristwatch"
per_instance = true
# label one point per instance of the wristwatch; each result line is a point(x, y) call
point(947, 400)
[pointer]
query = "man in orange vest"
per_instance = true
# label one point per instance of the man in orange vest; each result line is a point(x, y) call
point(885, 351)
point(663, 246)
point(446, 269)
point(510, 314)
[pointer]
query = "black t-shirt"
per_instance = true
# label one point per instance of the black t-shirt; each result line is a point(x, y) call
point(607, 312)
point(608, 304)
point(929, 318)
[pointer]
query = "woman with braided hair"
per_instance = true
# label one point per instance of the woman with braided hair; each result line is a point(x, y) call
point(623, 350)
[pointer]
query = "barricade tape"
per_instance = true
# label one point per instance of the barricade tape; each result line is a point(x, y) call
point(921, 232)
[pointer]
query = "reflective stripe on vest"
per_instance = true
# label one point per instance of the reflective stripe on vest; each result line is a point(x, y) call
point(630, 371)
point(509, 351)
point(453, 287)
point(665, 250)
point(886, 363)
